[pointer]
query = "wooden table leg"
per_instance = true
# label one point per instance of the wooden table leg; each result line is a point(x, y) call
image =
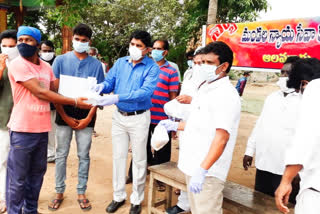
point(152, 193)
point(168, 196)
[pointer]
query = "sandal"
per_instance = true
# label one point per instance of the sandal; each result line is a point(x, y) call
point(3, 207)
point(84, 202)
point(55, 204)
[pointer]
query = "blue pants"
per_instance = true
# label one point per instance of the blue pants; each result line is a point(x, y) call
point(83, 140)
point(27, 164)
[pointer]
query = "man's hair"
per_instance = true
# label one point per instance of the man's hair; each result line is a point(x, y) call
point(190, 54)
point(8, 34)
point(164, 42)
point(144, 36)
point(199, 52)
point(95, 49)
point(47, 43)
point(291, 59)
point(222, 50)
point(303, 69)
point(82, 30)
point(246, 73)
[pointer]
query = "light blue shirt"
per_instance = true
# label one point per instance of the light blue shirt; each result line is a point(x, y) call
point(133, 84)
point(69, 64)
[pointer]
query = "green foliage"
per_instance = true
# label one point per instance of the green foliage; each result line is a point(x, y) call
point(233, 75)
point(68, 13)
point(240, 10)
point(114, 20)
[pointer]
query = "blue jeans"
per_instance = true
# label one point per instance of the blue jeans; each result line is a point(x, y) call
point(27, 164)
point(83, 140)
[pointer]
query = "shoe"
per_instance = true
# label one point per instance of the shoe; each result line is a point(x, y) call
point(114, 206)
point(129, 180)
point(135, 209)
point(174, 210)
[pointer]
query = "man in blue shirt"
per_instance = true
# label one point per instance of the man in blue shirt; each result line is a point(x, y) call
point(71, 67)
point(241, 84)
point(132, 79)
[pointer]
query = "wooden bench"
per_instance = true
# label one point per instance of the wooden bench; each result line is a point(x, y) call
point(237, 199)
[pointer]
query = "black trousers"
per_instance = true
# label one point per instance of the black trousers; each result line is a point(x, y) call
point(159, 157)
point(267, 183)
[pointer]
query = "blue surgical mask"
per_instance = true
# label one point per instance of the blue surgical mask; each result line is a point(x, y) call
point(26, 50)
point(157, 55)
point(190, 63)
point(80, 47)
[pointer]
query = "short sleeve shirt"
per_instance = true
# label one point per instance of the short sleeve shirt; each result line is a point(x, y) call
point(216, 106)
point(168, 82)
point(29, 114)
point(69, 65)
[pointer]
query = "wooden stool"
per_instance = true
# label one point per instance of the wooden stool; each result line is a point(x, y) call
point(172, 177)
point(237, 199)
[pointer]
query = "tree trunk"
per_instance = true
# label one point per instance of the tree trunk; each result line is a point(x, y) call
point(3, 19)
point(66, 39)
point(212, 12)
point(19, 15)
point(66, 33)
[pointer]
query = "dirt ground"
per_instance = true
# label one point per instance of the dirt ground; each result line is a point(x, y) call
point(99, 190)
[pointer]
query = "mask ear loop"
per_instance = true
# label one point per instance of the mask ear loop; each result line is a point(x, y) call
point(217, 74)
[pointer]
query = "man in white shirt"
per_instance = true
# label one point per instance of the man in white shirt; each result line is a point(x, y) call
point(188, 90)
point(273, 133)
point(210, 132)
point(303, 155)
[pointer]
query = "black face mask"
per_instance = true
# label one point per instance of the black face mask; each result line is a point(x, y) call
point(26, 50)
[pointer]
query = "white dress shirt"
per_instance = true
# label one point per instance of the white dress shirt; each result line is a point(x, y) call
point(188, 87)
point(215, 106)
point(273, 131)
point(305, 148)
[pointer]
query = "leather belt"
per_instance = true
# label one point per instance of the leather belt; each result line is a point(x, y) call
point(131, 113)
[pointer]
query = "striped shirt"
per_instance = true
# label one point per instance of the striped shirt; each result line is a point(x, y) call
point(168, 82)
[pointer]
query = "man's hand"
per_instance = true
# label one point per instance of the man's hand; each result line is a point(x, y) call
point(73, 123)
point(197, 180)
point(98, 88)
point(3, 65)
point(169, 125)
point(82, 104)
point(108, 100)
point(186, 99)
point(174, 135)
point(83, 124)
point(247, 161)
point(282, 196)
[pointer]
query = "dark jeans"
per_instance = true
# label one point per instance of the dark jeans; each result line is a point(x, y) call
point(27, 164)
point(159, 157)
point(267, 183)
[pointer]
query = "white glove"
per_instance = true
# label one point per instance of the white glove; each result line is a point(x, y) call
point(97, 88)
point(169, 125)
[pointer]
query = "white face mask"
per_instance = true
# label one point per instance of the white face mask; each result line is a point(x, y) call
point(190, 63)
point(282, 83)
point(11, 52)
point(47, 56)
point(208, 72)
point(135, 53)
point(80, 47)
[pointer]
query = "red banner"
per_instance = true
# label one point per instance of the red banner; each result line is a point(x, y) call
point(268, 44)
